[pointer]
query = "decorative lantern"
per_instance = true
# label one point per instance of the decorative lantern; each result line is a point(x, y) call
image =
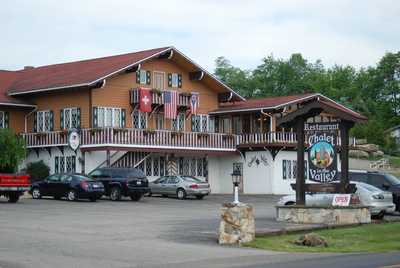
point(236, 175)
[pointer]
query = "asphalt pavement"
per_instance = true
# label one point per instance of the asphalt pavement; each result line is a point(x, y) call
point(155, 232)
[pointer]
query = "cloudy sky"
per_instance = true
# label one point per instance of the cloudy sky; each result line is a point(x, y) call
point(41, 32)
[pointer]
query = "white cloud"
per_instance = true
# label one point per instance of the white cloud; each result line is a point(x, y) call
point(343, 32)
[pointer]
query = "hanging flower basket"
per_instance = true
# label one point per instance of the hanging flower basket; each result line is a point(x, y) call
point(176, 133)
point(147, 132)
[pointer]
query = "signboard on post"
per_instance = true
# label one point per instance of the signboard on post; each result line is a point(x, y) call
point(74, 140)
point(322, 153)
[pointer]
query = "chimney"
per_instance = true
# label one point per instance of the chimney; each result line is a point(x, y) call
point(28, 67)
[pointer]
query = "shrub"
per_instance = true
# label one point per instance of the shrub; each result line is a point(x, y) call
point(38, 170)
point(12, 148)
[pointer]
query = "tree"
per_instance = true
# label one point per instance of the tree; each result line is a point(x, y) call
point(12, 148)
point(372, 91)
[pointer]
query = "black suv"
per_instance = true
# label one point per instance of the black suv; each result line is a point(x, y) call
point(383, 181)
point(120, 182)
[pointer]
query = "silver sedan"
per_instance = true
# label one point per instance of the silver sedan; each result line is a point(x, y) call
point(378, 201)
point(180, 186)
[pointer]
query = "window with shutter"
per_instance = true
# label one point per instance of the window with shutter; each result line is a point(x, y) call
point(179, 80)
point(2, 123)
point(139, 120)
point(110, 117)
point(178, 124)
point(70, 118)
point(143, 77)
point(44, 121)
point(174, 80)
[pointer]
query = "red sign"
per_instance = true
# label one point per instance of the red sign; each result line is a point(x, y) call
point(145, 100)
point(341, 200)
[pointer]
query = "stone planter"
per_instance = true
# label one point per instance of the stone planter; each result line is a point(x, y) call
point(237, 223)
point(323, 215)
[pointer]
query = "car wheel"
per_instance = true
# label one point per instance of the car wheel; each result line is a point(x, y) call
point(290, 203)
point(115, 194)
point(136, 197)
point(13, 197)
point(199, 197)
point(71, 196)
point(181, 194)
point(36, 193)
point(93, 199)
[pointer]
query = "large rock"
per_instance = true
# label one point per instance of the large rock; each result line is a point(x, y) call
point(358, 154)
point(361, 141)
point(377, 154)
point(367, 147)
point(237, 224)
point(311, 240)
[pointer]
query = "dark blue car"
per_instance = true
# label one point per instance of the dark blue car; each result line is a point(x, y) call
point(71, 186)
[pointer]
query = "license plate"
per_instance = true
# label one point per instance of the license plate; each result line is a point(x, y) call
point(95, 186)
point(138, 182)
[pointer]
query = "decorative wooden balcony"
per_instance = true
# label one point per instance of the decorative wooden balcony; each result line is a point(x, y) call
point(137, 138)
point(164, 139)
point(158, 98)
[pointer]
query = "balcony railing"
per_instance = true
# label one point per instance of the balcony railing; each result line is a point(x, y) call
point(157, 97)
point(141, 138)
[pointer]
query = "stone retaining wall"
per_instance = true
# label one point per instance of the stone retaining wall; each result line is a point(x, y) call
point(323, 215)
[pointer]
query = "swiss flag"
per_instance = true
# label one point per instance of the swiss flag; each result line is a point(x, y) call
point(145, 100)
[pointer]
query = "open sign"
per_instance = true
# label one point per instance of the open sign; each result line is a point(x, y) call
point(341, 200)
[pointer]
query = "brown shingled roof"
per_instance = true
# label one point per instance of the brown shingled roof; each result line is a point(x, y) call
point(279, 102)
point(78, 73)
point(6, 79)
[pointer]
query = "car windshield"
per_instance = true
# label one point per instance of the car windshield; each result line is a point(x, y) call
point(191, 179)
point(392, 179)
point(368, 187)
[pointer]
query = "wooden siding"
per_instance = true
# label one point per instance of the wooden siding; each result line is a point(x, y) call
point(56, 101)
point(16, 119)
point(116, 91)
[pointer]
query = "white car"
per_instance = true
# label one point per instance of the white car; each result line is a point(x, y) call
point(378, 201)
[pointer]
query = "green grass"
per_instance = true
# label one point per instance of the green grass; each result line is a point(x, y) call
point(365, 238)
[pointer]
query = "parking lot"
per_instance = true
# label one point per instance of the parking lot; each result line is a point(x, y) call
point(155, 232)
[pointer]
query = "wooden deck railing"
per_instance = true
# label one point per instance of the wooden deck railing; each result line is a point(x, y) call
point(157, 97)
point(142, 138)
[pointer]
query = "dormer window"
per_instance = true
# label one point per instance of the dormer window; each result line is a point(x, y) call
point(174, 80)
point(143, 77)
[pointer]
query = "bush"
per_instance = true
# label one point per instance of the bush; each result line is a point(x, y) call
point(38, 170)
point(12, 148)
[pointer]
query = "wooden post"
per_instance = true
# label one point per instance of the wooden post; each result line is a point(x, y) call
point(344, 154)
point(108, 158)
point(83, 154)
point(300, 189)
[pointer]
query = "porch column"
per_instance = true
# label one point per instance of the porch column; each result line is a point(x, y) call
point(83, 154)
point(108, 158)
point(300, 191)
point(344, 154)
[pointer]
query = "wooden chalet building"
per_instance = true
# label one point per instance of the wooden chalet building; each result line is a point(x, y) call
point(102, 98)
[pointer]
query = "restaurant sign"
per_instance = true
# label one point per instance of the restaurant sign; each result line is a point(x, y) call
point(322, 153)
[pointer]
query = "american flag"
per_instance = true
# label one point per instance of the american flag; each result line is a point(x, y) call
point(170, 104)
point(194, 103)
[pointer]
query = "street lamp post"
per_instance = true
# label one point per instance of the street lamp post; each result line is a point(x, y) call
point(236, 180)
